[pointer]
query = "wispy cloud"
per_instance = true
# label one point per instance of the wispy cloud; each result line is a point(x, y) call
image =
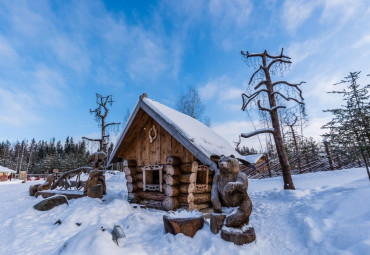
point(17, 107)
point(296, 12)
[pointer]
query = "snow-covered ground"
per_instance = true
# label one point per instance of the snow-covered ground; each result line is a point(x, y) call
point(329, 213)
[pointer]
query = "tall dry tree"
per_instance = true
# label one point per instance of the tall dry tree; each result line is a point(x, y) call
point(100, 113)
point(268, 65)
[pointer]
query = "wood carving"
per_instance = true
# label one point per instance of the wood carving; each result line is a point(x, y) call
point(152, 134)
point(230, 190)
point(98, 159)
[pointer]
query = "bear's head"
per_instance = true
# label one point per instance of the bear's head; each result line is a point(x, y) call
point(228, 165)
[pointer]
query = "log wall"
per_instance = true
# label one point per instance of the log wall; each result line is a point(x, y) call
point(179, 187)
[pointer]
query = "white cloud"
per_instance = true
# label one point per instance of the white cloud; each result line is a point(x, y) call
point(296, 12)
point(221, 89)
point(314, 128)
point(232, 129)
point(16, 108)
point(365, 40)
point(340, 11)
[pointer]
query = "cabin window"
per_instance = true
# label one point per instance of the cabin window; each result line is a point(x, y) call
point(201, 183)
point(152, 177)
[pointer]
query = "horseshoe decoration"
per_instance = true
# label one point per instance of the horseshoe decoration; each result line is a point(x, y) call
point(152, 134)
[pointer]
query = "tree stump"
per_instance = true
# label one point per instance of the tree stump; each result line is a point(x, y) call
point(217, 221)
point(187, 226)
point(238, 236)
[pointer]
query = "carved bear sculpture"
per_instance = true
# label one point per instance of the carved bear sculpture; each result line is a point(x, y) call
point(229, 189)
point(98, 158)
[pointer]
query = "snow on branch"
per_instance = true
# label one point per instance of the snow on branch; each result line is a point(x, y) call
point(288, 98)
point(257, 132)
point(268, 109)
point(247, 99)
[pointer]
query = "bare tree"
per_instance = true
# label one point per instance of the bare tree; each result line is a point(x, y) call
point(191, 104)
point(291, 124)
point(267, 66)
point(101, 113)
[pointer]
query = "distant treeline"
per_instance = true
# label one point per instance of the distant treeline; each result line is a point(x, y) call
point(43, 156)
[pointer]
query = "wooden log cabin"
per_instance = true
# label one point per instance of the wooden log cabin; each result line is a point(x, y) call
point(166, 157)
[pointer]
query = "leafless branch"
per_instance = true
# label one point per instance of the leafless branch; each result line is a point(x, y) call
point(294, 85)
point(112, 123)
point(252, 77)
point(250, 98)
point(238, 143)
point(260, 84)
point(91, 140)
point(287, 98)
point(278, 60)
point(268, 109)
point(264, 54)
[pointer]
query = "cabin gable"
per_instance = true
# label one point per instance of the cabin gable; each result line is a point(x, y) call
point(149, 143)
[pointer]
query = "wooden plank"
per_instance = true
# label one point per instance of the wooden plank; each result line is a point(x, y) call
point(177, 148)
point(167, 143)
point(157, 141)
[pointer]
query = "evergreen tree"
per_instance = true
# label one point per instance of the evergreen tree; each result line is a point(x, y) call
point(349, 130)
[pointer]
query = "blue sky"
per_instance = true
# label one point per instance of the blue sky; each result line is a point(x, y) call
point(54, 56)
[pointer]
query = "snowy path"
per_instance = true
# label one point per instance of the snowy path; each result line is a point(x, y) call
point(329, 213)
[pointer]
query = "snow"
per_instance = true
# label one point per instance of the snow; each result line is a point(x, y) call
point(184, 214)
point(329, 213)
point(258, 131)
point(204, 138)
point(4, 169)
point(253, 158)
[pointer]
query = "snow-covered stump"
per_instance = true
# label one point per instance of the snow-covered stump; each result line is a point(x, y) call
point(184, 222)
point(238, 236)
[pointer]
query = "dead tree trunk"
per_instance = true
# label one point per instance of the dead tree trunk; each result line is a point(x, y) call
point(268, 61)
point(101, 113)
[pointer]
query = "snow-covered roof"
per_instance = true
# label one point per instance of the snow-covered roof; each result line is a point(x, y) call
point(198, 138)
point(4, 169)
point(253, 158)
